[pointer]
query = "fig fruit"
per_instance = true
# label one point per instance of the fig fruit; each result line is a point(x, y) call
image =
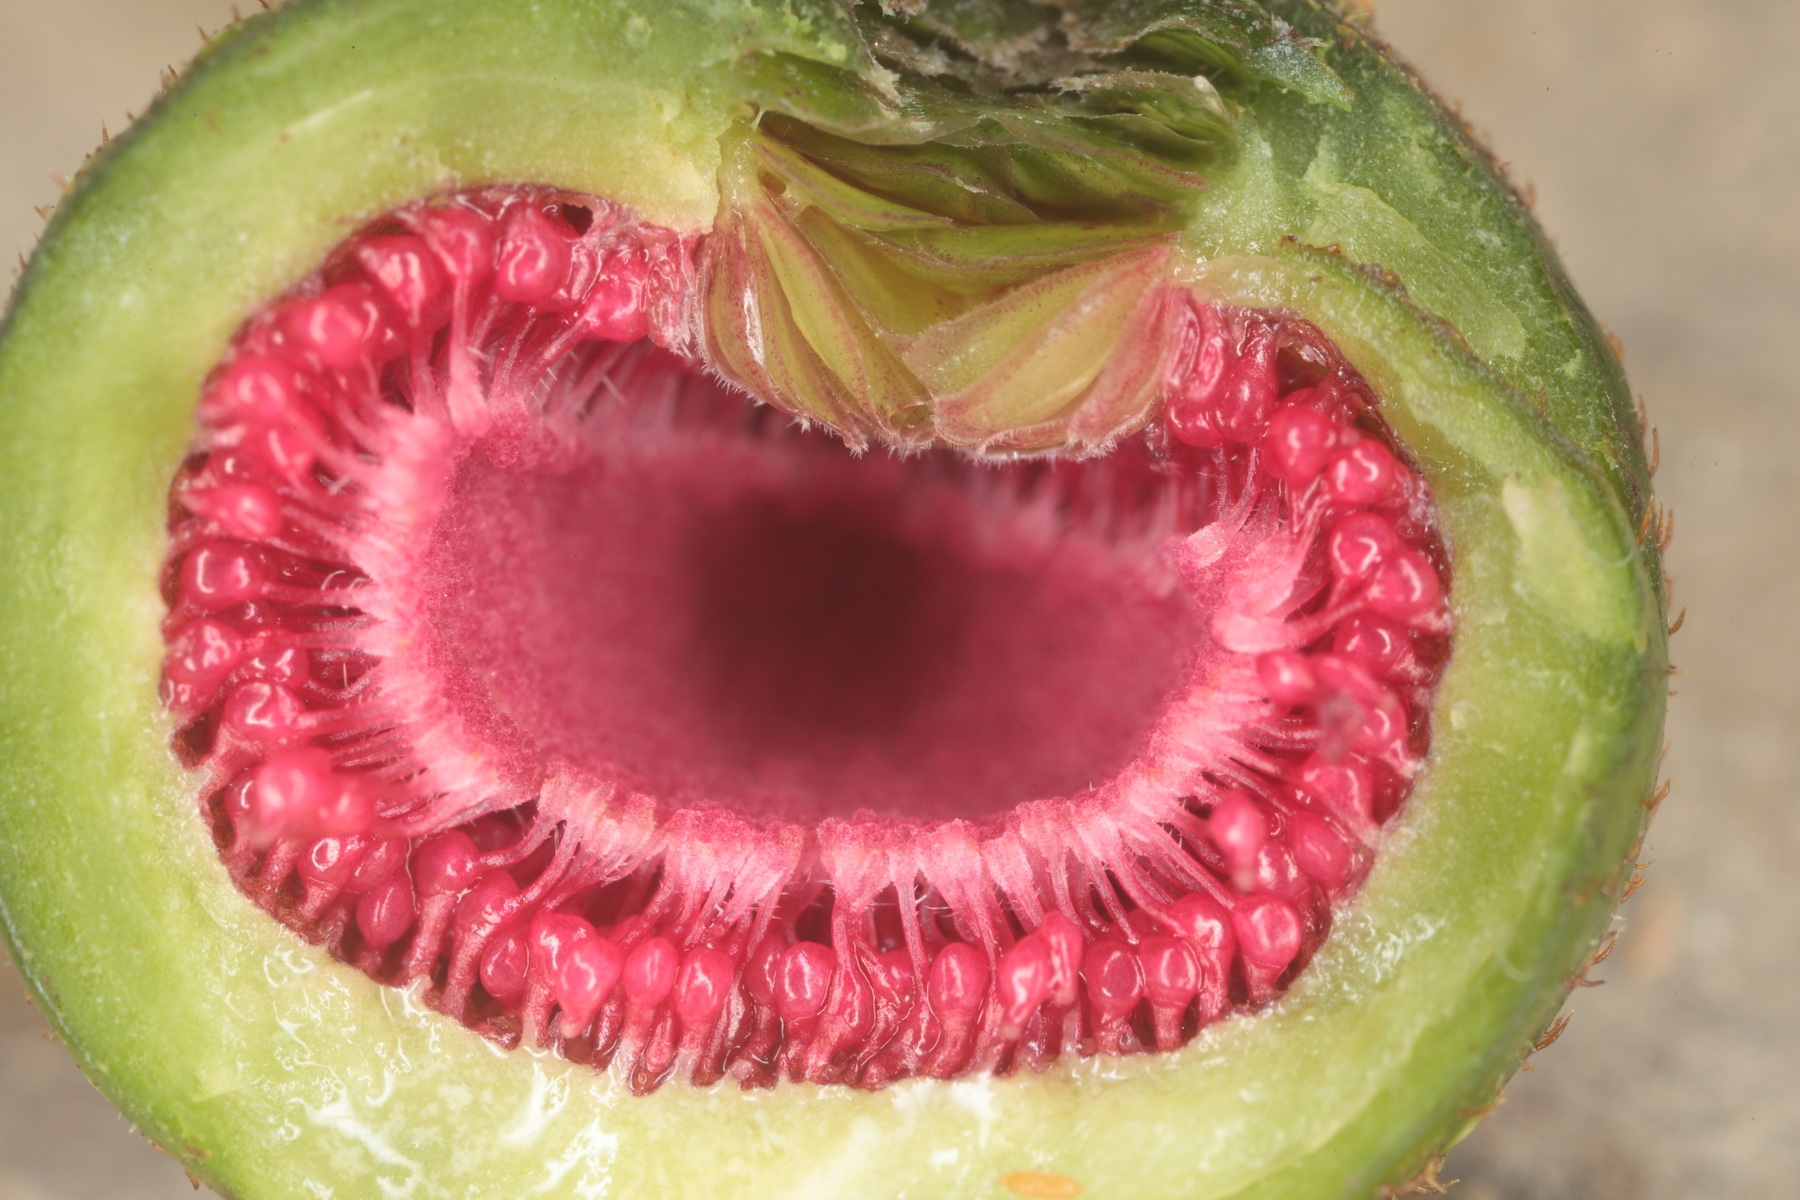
point(795, 598)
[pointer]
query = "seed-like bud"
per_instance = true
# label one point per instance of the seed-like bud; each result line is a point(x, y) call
point(1269, 932)
point(503, 965)
point(1171, 981)
point(255, 388)
point(533, 256)
point(409, 276)
point(201, 654)
point(265, 713)
point(1379, 646)
point(1205, 925)
point(1067, 946)
point(1239, 827)
point(803, 980)
point(702, 986)
point(586, 975)
point(1362, 474)
point(386, 912)
point(1022, 983)
point(377, 864)
point(1405, 588)
point(241, 510)
point(1299, 441)
point(616, 308)
point(649, 973)
point(1115, 984)
point(344, 328)
point(463, 241)
point(1359, 544)
point(217, 575)
point(1344, 787)
point(446, 864)
point(1319, 849)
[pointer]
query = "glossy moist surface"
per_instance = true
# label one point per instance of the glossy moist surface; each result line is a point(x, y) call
point(1455, 953)
point(719, 750)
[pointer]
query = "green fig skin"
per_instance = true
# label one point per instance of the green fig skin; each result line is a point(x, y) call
point(271, 1071)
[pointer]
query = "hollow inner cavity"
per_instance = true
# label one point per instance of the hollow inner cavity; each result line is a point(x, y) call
point(725, 610)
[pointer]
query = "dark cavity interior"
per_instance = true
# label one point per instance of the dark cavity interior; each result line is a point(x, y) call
point(711, 606)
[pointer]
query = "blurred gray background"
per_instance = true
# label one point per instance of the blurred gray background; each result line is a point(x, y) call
point(1663, 141)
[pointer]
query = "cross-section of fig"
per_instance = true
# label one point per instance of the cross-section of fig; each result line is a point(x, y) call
point(933, 600)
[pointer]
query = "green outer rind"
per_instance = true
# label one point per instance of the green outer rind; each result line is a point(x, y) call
point(273, 1072)
point(1457, 233)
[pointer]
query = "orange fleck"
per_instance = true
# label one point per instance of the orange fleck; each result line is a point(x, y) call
point(1041, 1185)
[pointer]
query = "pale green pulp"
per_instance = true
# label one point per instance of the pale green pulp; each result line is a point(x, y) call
point(272, 1071)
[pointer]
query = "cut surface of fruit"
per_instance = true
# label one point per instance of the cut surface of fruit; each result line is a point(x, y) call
point(1141, 175)
point(528, 665)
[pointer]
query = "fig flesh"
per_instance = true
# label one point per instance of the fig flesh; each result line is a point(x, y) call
point(1345, 195)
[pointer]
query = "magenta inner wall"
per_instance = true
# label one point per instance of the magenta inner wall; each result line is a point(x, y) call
point(771, 624)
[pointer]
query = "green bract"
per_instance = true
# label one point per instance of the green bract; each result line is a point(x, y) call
point(1306, 172)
